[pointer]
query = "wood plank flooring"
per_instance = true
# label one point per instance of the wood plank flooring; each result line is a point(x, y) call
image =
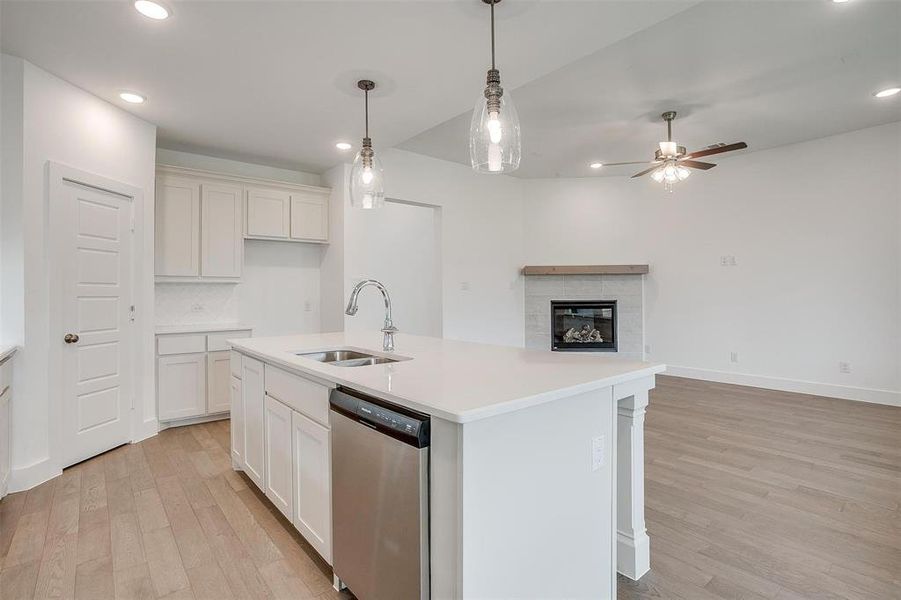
point(751, 494)
point(755, 494)
point(165, 518)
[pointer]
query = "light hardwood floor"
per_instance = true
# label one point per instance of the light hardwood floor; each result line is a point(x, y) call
point(750, 494)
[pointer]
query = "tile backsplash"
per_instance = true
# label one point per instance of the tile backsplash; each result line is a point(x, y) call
point(196, 303)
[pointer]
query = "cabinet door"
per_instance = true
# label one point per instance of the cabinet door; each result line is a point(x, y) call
point(309, 217)
point(218, 382)
point(181, 386)
point(222, 235)
point(4, 439)
point(268, 213)
point(237, 424)
point(177, 227)
point(278, 456)
point(252, 392)
point(312, 483)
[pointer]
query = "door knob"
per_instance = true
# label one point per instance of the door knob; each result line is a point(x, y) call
point(71, 338)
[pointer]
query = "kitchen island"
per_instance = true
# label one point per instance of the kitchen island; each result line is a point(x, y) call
point(536, 458)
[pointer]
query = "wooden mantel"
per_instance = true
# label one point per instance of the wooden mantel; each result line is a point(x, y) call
point(585, 269)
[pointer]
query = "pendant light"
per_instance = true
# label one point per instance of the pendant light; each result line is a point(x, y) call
point(367, 186)
point(495, 145)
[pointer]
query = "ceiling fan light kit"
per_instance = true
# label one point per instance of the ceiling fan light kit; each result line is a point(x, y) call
point(672, 162)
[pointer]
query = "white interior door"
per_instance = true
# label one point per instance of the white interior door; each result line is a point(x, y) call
point(93, 248)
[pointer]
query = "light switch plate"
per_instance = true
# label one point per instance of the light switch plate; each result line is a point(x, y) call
point(598, 452)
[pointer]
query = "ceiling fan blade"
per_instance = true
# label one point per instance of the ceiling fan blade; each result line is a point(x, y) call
point(718, 150)
point(696, 164)
point(636, 162)
point(646, 171)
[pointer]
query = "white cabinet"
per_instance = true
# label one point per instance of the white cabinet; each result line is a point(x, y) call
point(181, 387)
point(237, 424)
point(309, 217)
point(268, 213)
point(177, 227)
point(218, 381)
point(279, 474)
point(312, 483)
point(6, 395)
point(198, 230)
point(222, 235)
point(252, 392)
point(194, 374)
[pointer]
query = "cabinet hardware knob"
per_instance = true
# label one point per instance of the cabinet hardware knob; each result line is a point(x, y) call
point(71, 338)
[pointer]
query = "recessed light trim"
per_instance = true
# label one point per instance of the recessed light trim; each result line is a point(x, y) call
point(596, 165)
point(343, 146)
point(152, 10)
point(887, 92)
point(132, 97)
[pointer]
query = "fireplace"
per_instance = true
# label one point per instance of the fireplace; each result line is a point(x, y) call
point(583, 325)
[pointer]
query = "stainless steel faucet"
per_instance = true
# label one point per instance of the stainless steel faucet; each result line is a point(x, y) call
point(388, 329)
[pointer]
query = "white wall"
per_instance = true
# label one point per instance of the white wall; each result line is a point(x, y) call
point(481, 244)
point(815, 230)
point(61, 123)
point(279, 289)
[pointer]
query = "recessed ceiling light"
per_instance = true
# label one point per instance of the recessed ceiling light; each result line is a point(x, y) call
point(596, 165)
point(152, 10)
point(343, 146)
point(887, 92)
point(839, 1)
point(132, 98)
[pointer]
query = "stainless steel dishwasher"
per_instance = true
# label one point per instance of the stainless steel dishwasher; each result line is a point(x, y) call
point(380, 497)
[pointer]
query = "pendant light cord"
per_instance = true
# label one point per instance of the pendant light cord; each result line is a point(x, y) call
point(366, 104)
point(492, 33)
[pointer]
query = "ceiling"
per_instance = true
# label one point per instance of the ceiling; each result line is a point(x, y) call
point(767, 73)
point(274, 82)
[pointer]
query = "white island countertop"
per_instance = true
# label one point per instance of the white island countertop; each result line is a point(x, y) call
point(456, 381)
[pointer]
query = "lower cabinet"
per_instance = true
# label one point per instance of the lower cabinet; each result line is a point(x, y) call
point(312, 483)
point(181, 386)
point(253, 395)
point(237, 424)
point(279, 475)
point(218, 368)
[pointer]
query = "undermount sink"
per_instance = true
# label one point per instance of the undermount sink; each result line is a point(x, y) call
point(346, 358)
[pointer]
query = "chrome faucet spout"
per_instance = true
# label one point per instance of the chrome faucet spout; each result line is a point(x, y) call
point(388, 328)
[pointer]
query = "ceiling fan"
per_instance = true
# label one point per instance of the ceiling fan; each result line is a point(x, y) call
point(670, 160)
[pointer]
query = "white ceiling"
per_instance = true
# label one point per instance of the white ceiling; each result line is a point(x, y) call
point(274, 82)
point(767, 73)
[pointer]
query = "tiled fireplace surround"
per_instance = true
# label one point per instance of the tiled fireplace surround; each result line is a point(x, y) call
point(627, 290)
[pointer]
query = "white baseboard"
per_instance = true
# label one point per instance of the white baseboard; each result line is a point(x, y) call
point(888, 397)
point(194, 420)
point(25, 478)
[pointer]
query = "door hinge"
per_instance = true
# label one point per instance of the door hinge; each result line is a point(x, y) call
point(131, 313)
point(132, 224)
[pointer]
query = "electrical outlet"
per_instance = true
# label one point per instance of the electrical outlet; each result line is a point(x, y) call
point(464, 286)
point(307, 306)
point(724, 261)
point(733, 357)
point(728, 260)
point(197, 307)
point(844, 367)
point(598, 452)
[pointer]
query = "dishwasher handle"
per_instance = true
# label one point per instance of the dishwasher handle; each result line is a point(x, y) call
point(402, 424)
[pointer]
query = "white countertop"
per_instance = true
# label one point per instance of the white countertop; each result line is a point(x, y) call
point(201, 328)
point(456, 381)
point(6, 351)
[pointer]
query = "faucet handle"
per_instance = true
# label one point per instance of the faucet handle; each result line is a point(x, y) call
point(390, 329)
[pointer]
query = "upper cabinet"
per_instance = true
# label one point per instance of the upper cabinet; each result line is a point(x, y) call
point(202, 219)
point(299, 215)
point(177, 227)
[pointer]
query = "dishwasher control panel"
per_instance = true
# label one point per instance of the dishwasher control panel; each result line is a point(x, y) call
point(396, 421)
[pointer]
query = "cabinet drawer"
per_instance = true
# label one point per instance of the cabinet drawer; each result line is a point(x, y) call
point(181, 344)
point(218, 341)
point(303, 395)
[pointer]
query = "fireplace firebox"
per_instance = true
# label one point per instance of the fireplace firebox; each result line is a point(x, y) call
point(583, 325)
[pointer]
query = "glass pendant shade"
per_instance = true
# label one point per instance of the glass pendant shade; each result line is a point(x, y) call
point(495, 143)
point(367, 184)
